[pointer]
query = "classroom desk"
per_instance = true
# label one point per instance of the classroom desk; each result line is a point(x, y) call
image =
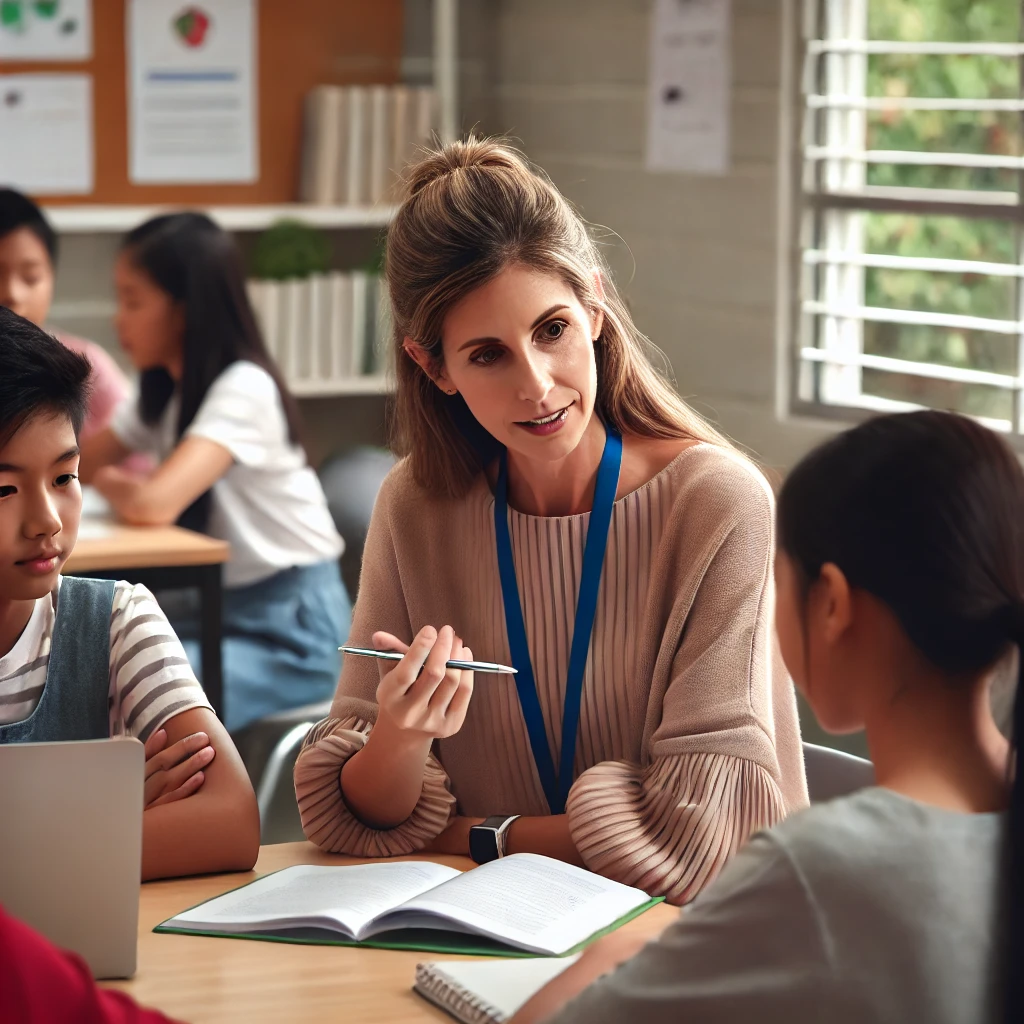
point(162, 557)
point(204, 980)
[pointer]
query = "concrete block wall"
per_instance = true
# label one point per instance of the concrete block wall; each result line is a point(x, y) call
point(698, 258)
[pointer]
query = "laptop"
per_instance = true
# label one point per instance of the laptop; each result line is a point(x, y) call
point(71, 845)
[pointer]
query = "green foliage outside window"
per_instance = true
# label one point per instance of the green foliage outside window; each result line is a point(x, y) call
point(962, 76)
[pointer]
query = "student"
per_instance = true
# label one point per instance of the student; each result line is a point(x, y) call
point(86, 659)
point(649, 759)
point(212, 406)
point(28, 257)
point(40, 984)
point(900, 586)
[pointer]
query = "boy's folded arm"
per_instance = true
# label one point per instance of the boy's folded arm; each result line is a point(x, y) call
point(217, 828)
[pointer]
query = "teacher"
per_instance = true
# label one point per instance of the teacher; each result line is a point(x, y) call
point(562, 510)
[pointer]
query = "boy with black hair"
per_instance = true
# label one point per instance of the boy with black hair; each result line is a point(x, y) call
point(87, 659)
point(28, 258)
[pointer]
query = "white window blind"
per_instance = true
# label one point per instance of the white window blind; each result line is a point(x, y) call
point(912, 268)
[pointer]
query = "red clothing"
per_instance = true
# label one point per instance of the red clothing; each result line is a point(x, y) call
point(40, 984)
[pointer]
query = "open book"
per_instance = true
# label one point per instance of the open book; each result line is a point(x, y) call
point(523, 904)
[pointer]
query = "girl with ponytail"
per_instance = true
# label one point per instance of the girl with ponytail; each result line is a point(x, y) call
point(213, 408)
point(900, 573)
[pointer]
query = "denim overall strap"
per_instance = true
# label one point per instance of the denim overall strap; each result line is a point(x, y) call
point(73, 705)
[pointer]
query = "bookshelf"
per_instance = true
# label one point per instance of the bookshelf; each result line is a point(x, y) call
point(351, 386)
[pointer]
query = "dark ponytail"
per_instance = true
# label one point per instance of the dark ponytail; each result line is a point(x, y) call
point(198, 264)
point(926, 512)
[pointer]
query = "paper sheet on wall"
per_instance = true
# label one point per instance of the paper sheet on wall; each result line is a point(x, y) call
point(192, 91)
point(688, 91)
point(45, 29)
point(46, 128)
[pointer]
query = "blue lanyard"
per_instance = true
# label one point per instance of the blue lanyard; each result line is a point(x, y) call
point(556, 788)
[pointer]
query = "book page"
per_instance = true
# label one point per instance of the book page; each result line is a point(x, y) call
point(345, 898)
point(529, 901)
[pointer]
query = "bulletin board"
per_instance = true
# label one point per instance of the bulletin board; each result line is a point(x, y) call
point(299, 43)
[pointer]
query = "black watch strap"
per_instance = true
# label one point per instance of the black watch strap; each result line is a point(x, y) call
point(487, 840)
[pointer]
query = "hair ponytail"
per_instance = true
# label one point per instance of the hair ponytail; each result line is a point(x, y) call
point(925, 511)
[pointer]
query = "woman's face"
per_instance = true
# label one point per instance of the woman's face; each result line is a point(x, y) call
point(149, 322)
point(520, 351)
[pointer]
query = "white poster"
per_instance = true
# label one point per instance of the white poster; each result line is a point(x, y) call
point(192, 91)
point(46, 127)
point(45, 29)
point(688, 94)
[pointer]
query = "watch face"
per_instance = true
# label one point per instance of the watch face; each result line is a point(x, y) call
point(483, 844)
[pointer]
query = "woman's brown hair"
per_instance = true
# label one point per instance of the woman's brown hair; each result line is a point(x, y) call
point(472, 209)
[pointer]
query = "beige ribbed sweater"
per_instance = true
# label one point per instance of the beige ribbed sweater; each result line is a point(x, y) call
point(688, 736)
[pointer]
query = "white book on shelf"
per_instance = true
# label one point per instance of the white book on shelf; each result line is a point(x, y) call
point(424, 115)
point(272, 318)
point(380, 143)
point(292, 321)
point(359, 124)
point(360, 298)
point(319, 324)
point(322, 145)
point(341, 326)
point(403, 145)
point(342, 122)
point(254, 289)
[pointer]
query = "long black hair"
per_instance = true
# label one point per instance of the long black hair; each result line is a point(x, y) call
point(925, 511)
point(190, 258)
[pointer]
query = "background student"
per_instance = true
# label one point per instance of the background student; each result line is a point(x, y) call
point(87, 659)
point(28, 259)
point(901, 585)
point(213, 408)
point(537, 430)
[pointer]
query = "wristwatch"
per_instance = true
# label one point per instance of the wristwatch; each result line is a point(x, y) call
point(487, 841)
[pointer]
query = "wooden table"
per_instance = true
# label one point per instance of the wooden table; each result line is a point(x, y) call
point(203, 980)
point(162, 557)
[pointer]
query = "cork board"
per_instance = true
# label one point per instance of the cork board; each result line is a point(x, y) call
point(300, 44)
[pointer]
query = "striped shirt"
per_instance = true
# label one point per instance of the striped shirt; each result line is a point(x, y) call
point(150, 677)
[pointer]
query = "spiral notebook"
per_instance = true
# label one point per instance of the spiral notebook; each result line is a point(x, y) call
point(482, 991)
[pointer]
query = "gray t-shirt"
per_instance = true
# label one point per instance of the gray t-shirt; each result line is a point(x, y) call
point(871, 908)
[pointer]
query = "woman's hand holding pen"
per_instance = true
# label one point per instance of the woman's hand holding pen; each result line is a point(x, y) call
point(420, 696)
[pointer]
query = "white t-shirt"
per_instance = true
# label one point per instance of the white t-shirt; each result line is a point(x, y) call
point(150, 677)
point(269, 506)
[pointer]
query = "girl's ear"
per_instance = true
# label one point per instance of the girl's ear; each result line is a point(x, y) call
point(835, 602)
point(421, 357)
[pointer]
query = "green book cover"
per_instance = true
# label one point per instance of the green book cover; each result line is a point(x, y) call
point(422, 940)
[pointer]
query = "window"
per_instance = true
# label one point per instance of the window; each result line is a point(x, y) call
point(912, 275)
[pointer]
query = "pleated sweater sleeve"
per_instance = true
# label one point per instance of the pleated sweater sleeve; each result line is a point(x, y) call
point(326, 819)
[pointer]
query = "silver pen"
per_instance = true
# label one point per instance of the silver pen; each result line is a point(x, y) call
point(473, 666)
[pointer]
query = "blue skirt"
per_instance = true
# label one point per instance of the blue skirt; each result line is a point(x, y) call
point(281, 640)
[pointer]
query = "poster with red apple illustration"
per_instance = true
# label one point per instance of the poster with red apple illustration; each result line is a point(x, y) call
point(192, 91)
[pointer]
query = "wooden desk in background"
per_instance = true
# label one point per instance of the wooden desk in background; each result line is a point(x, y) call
point(204, 980)
point(162, 557)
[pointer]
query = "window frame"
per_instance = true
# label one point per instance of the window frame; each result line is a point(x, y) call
point(824, 192)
